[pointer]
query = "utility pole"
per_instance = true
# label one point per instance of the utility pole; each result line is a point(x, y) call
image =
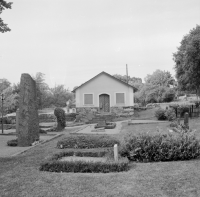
point(127, 72)
point(2, 99)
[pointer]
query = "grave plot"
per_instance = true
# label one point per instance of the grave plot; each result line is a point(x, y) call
point(91, 153)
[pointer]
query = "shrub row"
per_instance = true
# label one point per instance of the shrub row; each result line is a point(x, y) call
point(55, 165)
point(162, 147)
point(87, 141)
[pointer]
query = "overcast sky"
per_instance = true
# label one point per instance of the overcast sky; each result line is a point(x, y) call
point(71, 41)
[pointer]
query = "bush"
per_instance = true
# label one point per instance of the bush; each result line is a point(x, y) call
point(55, 165)
point(160, 114)
point(60, 115)
point(169, 95)
point(181, 145)
point(12, 142)
point(170, 114)
point(87, 141)
point(41, 131)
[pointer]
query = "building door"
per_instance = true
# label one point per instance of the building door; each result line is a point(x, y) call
point(104, 103)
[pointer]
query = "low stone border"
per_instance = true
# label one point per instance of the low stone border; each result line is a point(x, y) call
point(135, 123)
point(73, 132)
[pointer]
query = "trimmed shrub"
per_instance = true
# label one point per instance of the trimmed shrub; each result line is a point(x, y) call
point(179, 145)
point(60, 115)
point(12, 142)
point(170, 114)
point(87, 141)
point(160, 114)
point(55, 165)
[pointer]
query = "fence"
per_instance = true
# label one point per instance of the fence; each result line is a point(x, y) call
point(193, 111)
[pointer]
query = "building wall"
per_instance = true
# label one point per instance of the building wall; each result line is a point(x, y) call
point(104, 84)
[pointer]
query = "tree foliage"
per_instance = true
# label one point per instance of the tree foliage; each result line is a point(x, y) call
point(160, 78)
point(4, 83)
point(156, 88)
point(49, 97)
point(42, 89)
point(60, 95)
point(134, 81)
point(187, 61)
point(46, 96)
point(4, 5)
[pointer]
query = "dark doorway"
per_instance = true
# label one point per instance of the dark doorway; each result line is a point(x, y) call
point(104, 103)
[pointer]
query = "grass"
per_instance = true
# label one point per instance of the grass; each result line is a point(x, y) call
point(163, 127)
point(145, 114)
point(20, 177)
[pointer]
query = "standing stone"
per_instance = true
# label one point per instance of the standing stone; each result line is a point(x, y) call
point(28, 131)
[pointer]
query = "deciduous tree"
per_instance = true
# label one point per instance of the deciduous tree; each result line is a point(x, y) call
point(160, 78)
point(187, 61)
point(4, 5)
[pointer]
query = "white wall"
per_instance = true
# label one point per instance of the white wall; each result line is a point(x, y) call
point(104, 84)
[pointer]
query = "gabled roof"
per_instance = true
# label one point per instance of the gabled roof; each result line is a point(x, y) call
point(134, 89)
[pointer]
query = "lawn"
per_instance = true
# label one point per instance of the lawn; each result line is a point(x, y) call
point(145, 114)
point(20, 177)
point(162, 127)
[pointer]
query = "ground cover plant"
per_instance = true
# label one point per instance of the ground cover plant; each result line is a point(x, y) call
point(54, 164)
point(87, 141)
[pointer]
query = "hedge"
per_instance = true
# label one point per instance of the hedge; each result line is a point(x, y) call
point(87, 141)
point(179, 145)
point(55, 165)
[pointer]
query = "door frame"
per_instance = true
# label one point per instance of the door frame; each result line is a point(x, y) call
point(104, 93)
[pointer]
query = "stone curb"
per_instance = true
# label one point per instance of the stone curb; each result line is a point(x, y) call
point(58, 135)
point(73, 132)
point(134, 123)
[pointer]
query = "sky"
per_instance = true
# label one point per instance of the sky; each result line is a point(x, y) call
point(71, 41)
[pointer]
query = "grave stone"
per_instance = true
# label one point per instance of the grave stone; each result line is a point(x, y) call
point(28, 129)
point(116, 152)
point(101, 123)
point(186, 120)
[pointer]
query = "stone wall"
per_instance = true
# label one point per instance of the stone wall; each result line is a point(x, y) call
point(93, 115)
point(122, 111)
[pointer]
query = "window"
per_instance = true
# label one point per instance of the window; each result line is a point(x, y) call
point(120, 98)
point(88, 99)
